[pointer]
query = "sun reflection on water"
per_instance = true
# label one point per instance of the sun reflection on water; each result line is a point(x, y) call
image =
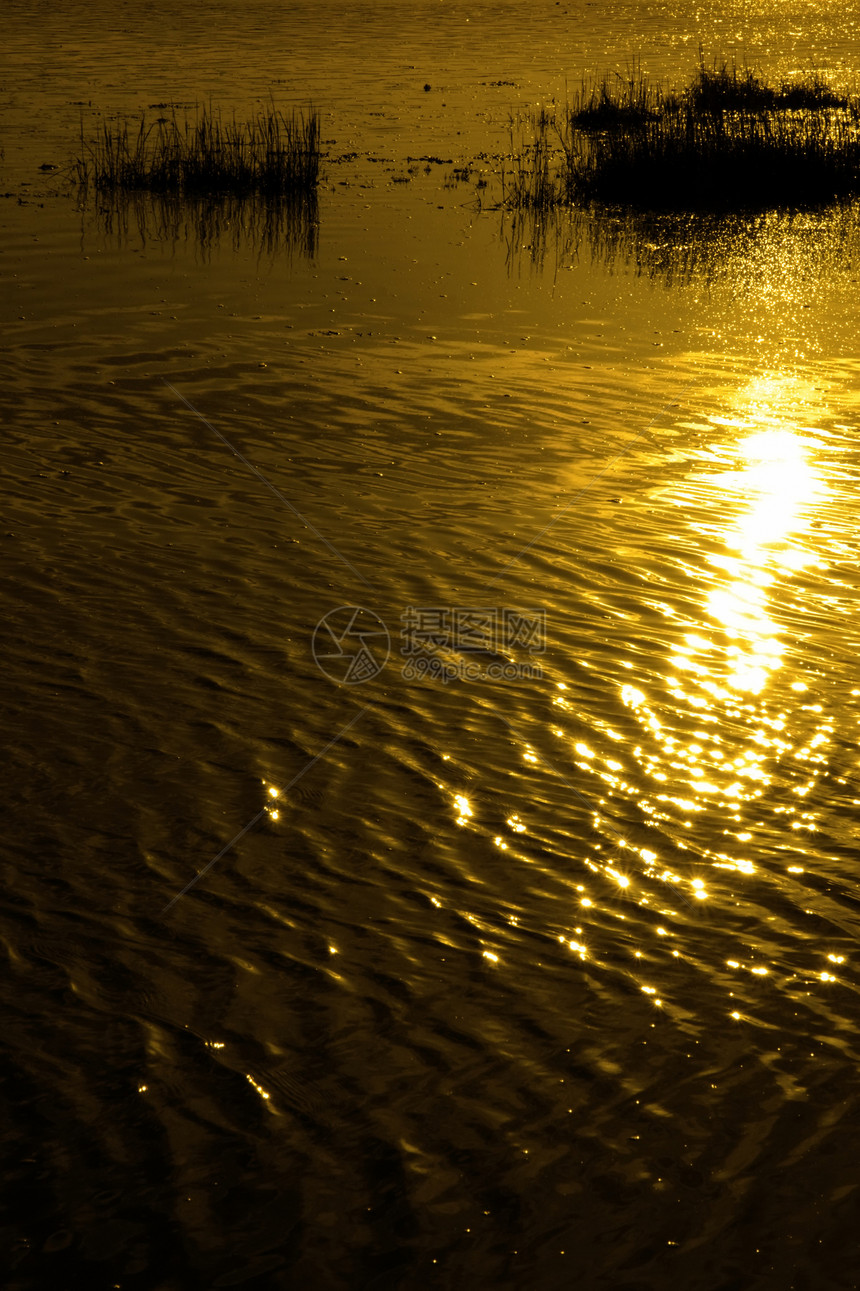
point(699, 785)
point(779, 485)
point(724, 665)
point(731, 715)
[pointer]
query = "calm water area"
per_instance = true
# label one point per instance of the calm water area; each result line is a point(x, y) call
point(352, 956)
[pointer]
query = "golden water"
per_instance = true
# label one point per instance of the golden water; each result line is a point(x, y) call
point(539, 982)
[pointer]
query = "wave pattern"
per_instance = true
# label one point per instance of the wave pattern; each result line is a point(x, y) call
point(535, 982)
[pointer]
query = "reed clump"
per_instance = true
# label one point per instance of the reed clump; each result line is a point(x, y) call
point(728, 140)
point(532, 178)
point(723, 159)
point(274, 154)
point(616, 102)
point(724, 88)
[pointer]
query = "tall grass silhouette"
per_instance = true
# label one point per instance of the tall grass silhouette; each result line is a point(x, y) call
point(728, 140)
point(272, 154)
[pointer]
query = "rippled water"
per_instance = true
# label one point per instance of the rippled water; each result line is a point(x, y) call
point(543, 981)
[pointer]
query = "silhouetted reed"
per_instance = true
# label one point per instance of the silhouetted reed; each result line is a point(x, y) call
point(532, 178)
point(723, 88)
point(624, 101)
point(617, 102)
point(728, 141)
point(273, 155)
point(713, 159)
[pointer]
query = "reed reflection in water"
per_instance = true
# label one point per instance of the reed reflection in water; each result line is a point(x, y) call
point(265, 225)
point(764, 250)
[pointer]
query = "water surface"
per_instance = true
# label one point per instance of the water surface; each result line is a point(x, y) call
point(537, 982)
